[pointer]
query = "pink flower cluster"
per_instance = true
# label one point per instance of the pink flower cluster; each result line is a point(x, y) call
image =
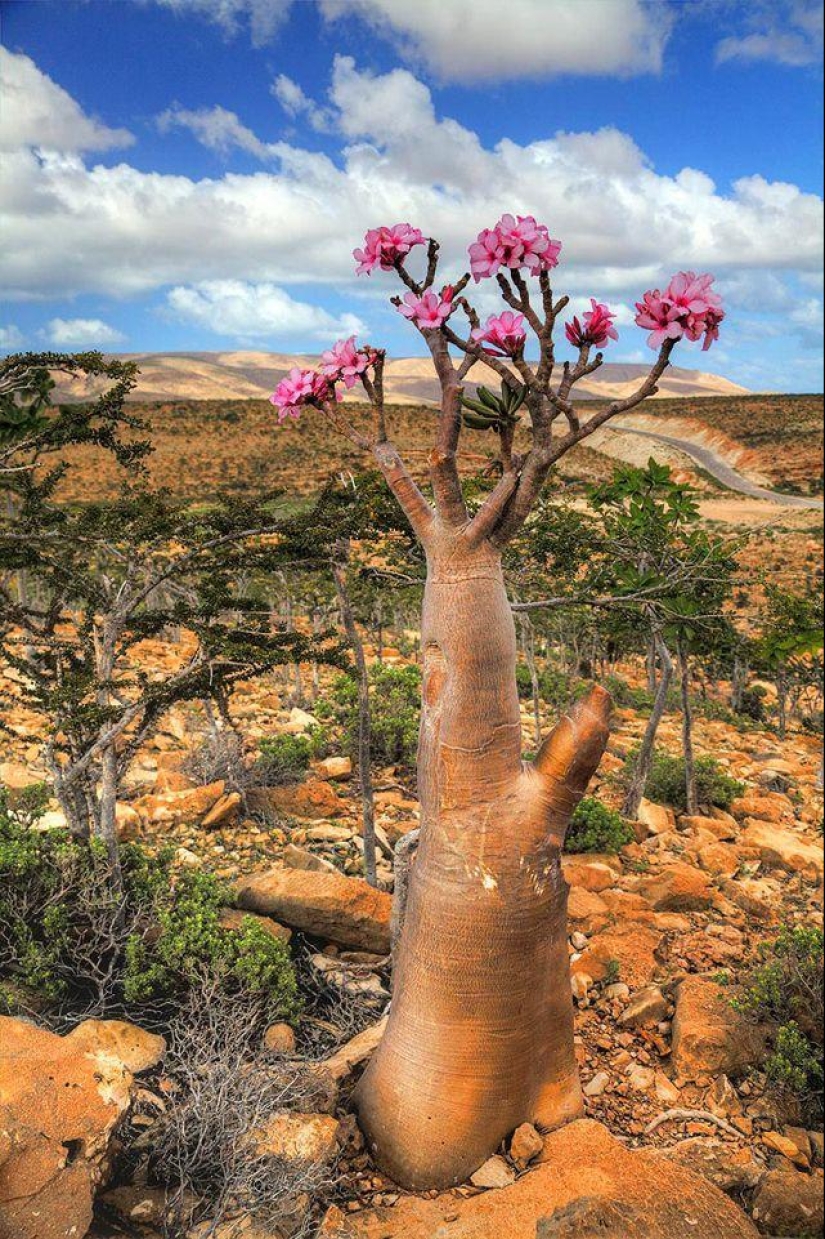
point(686, 308)
point(515, 242)
point(429, 311)
point(383, 247)
point(596, 327)
point(502, 335)
point(344, 363)
point(299, 389)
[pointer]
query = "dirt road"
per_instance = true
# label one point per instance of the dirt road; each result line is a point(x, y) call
point(722, 471)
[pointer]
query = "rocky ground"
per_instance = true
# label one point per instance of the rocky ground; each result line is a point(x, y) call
point(660, 936)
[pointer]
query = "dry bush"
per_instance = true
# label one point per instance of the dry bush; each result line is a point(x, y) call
point(220, 756)
point(223, 1090)
point(332, 1015)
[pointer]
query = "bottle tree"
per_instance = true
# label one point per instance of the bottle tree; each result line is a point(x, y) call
point(480, 1033)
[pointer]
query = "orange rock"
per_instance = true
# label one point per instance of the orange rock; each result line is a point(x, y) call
point(327, 905)
point(586, 909)
point(586, 1183)
point(678, 888)
point(592, 875)
point(709, 1036)
point(719, 858)
point(783, 848)
point(629, 949)
point(725, 830)
point(223, 811)
point(59, 1108)
point(312, 799)
point(769, 808)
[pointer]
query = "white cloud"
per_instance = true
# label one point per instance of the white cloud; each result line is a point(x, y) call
point(248, 311)
point(38, 112)
point(215, 128)
point(264, 18)
point(482, 40)
point(789, 33)
point(70, 228)
point(295, 103)
point(81, 332)
point(11, 338)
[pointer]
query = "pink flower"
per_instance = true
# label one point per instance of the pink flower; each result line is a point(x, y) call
point(597, 328)
point(430, 311)
point(503, 333)
point(299, 389)
point(343, 362)
point(711, 328)
point(688, 307)
point(383, 247)
point(515, 242)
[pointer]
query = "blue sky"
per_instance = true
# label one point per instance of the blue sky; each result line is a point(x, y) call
point(193, 174)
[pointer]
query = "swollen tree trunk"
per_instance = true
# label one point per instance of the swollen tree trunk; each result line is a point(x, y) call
point(644, 760)
point(480, 1032)
point(687, 731)
point(339, 576)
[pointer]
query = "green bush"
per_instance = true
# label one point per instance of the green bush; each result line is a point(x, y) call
point(72, 941)
point(395, 708)
point(285, 759)
point(624, 695)
point(596, 828)
point(785, 990)
point(524, 682)
point(666, 782)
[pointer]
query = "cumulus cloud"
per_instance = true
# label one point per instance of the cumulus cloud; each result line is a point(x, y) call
point(249, 311)
point(71, 228)
point(263, 18)
point(81, 332)
point(481, 40)
point(38, 112)
point(296, 103)
point(217, 129)
point(788, 33)
point(11, 338)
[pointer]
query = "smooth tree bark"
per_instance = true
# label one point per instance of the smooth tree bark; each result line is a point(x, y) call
point(687, 729)
point(339, 576)
point(480, 1030)
point(644, 759)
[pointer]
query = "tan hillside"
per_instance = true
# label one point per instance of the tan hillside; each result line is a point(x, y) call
point(409, 380)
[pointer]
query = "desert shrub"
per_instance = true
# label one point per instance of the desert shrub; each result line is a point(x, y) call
point(284, 759)
point(556, 688)
point(626, 696)
point(596, 828)
point(524, 682)
point(666, 781)
point(785, 990)
point(218, 1177)
point(219, 757)
point(395, 706)
point(753, 703)
point(72, 941)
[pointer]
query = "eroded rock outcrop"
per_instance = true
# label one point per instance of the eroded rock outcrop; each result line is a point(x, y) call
point(60, 1104)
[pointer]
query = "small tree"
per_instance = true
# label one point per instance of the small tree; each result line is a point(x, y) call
point(104, 577)
point(480, 1034)
point(789, 647)
point(673, 574)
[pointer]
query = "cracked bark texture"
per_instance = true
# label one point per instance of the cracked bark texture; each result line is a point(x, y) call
point(480, 1032)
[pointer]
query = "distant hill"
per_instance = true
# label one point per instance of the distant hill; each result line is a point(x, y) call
point(408, 380)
